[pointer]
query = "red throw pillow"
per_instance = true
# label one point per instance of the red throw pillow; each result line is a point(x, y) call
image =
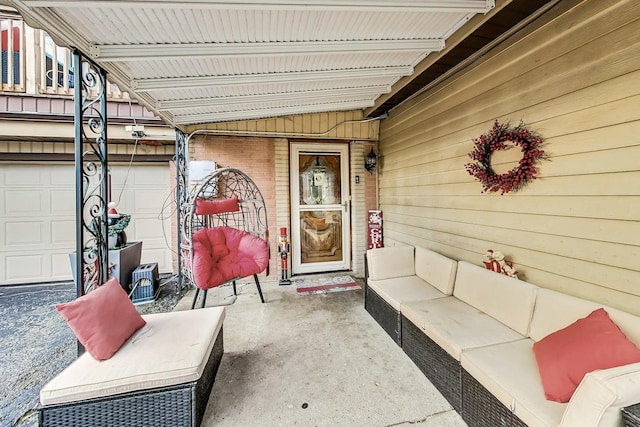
point(589, 344)
point(212, 207)
point(103, 319)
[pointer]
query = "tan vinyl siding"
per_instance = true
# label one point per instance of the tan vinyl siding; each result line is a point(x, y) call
point(358, 208)
point(283, 205)
point(347, 125)
point(574, 76)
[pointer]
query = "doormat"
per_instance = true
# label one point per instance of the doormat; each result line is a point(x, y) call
point(323, 285)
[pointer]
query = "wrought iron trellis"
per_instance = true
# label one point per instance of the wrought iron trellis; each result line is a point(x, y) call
point(182, 175)
point(91, 167)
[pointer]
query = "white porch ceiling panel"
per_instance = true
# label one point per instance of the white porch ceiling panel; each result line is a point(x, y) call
point(197, 61)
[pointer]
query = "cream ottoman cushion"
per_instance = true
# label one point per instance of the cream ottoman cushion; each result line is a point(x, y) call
point(172, 348)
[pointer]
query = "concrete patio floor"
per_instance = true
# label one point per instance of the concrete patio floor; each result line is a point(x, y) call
point(316, 360)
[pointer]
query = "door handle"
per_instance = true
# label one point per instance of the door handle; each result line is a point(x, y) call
point(345, 206)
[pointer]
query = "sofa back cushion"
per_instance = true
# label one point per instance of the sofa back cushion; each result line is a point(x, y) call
point(504, 298)
point(555, 310)
point(436, 269)
point(391, 261)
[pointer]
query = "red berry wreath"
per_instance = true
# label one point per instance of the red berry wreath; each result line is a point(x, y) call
point(497, 139)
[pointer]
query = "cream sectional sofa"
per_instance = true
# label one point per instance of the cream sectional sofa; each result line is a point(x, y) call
point(474, 341)
point(403, 274)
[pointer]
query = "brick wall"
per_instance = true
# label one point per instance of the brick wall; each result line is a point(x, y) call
point(253, 156)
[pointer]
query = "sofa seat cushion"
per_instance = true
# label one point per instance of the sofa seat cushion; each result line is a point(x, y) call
point(509, 372)
point(404, 289)
point(172, 348)
point(456, 326)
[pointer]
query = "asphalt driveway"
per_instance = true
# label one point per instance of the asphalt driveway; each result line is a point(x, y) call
point(36, 343)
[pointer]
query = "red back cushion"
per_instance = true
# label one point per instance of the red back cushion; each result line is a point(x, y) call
point(590, 343)
point(103, 319)
point(212, 207)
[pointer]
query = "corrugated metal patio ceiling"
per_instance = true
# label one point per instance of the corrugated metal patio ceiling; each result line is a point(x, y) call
point(197, 61)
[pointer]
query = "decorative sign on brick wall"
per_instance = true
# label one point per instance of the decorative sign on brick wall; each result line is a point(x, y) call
point(375, 229)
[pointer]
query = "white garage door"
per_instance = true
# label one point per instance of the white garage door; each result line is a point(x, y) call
point(37, 206)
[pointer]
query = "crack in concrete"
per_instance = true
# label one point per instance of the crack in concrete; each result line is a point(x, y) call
point(25, 417)
point(422, 420)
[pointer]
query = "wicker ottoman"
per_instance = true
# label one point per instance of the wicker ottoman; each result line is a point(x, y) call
point(162, 376)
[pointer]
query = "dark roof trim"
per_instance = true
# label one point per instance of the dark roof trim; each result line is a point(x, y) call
point(489, 31)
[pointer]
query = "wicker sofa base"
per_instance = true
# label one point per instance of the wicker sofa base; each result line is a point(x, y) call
point(631, 416)
point(480, 408)
point(173, 406)
point(436, 364)
point(386, 316)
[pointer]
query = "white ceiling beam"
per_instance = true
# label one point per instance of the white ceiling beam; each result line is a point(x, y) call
point(163, 83)
point(270, 112)
point(140, 52)
point(464, 6)
point(311, 95)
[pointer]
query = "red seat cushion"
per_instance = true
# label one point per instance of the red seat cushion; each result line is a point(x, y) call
point(221, 254)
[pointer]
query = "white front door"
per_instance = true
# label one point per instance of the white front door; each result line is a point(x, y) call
point(320, 237)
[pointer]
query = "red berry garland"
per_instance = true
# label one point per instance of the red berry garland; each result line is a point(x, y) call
point(497, 139)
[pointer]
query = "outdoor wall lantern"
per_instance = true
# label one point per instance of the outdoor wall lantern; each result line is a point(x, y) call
point(371, 161)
